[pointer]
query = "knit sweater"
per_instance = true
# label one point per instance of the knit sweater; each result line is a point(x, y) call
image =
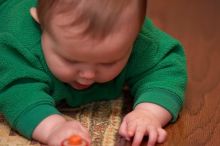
point(155, 72)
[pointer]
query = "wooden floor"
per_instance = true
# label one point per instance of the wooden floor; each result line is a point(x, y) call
point(196, 23)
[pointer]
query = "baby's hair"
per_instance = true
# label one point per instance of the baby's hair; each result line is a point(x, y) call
point(99, 15)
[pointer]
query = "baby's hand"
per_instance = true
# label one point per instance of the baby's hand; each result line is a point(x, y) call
point(55, 129)
point(66, 130)
point(144, 121)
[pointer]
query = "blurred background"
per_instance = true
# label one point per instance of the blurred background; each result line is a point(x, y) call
point(196, 23)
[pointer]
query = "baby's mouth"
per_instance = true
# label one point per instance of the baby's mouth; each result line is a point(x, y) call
point(80, 86)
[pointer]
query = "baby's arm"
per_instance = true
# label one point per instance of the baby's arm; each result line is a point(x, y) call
point(147, 119)
point(55, 129)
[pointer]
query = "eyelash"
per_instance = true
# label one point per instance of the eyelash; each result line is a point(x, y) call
point(70, 61)
point(108, 64)
point(103, 64)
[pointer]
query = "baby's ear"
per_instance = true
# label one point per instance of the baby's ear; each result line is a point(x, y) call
point(33, 12)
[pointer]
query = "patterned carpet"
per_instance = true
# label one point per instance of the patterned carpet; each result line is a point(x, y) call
point(101, 118)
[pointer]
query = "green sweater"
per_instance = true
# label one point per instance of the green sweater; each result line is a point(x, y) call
point(156, 72)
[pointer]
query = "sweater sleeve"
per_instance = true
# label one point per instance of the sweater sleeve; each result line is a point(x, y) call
point(157, 70)
point(24, 87)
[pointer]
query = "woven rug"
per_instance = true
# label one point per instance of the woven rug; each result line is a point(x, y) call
point(101, 118)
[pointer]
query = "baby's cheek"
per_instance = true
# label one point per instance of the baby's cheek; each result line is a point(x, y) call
point(113, 74)
point(65, 75)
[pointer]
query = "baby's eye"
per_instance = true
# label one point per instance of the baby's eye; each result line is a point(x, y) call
point(71, 61)
point(108, 64)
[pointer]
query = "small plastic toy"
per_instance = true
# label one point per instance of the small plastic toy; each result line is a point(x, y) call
point(74, 140)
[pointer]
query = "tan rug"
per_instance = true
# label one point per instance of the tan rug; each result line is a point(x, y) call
point(101, 118)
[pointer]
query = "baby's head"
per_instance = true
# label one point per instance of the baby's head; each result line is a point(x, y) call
point(88, 41)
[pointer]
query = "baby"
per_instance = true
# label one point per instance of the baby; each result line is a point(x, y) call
point(82, 52)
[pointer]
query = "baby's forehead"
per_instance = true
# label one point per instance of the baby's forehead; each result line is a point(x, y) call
point(86, 49)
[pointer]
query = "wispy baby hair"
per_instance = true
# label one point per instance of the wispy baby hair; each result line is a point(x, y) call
point(99, 15)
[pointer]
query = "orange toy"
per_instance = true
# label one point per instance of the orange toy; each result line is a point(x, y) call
point(74, 140)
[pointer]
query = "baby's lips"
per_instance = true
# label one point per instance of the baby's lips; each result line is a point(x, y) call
point(74, 140)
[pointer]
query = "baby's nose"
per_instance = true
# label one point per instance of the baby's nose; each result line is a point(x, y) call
point(87, 74)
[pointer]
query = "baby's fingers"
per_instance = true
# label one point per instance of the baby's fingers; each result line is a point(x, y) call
point(131, 129)
point(156, 136)
point(123, 130)
point(152, 136)
point(162, 134)
point(138, 137)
